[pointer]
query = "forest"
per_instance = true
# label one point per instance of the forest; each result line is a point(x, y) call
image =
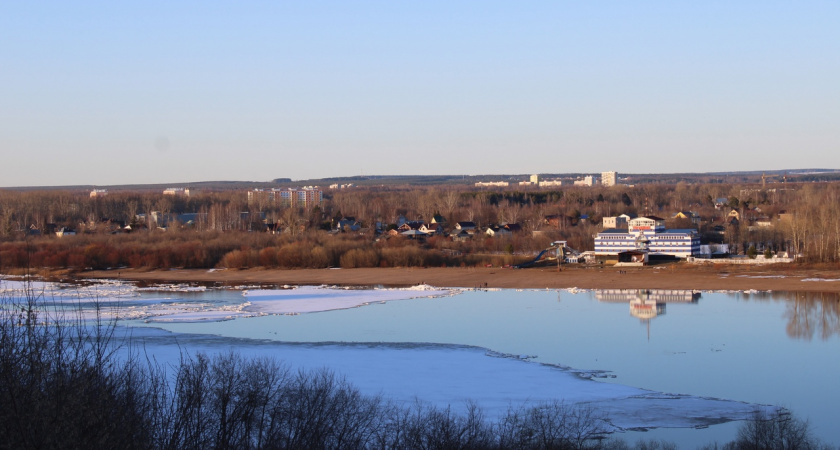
point(220, 228)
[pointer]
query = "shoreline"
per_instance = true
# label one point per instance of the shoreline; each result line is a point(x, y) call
point(699, 278)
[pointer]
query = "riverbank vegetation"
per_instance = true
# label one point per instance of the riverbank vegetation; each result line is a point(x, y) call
point(354, 227)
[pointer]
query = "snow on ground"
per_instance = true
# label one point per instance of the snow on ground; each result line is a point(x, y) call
point(123, 301)
point(450, 375)
point(761, 276)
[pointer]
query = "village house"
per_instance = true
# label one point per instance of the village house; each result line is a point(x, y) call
point(461, 235)
point(434, 228)
point(497, 231)
point(734, 214)
point(688, 215)
point(465, 226)
point(412, 225)
point(348, 224)
point(65, 231)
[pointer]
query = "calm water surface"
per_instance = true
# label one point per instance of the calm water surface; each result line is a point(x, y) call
point(780, 348)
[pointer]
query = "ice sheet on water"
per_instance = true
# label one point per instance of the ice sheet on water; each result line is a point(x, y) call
point(306, 299)
point(112, 299)
point(173, 288)
point(65, 292)
point(451, 375)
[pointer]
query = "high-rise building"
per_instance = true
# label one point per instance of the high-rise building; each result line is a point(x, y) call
point(178, 192)
point(306, 197)
point(609, 178)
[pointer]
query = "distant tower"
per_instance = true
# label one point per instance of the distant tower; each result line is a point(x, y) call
point(608, 178)
point(763, 180)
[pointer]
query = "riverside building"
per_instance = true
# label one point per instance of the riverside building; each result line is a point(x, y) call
point(679, 243)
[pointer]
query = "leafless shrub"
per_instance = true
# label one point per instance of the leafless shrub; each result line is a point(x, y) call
point(777, 430)
point(552, 425)
point(60, 382)
point(358, 257)
point(240, 259)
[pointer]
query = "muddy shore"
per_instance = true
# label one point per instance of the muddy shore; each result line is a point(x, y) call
point(673, 276)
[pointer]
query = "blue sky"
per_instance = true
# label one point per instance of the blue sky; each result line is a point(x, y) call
point(157, 92)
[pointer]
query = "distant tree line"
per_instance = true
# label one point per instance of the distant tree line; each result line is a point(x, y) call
point(800, 218)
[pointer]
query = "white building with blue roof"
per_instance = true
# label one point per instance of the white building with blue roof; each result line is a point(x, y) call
point(651, 229)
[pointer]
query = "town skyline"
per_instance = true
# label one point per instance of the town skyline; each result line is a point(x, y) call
point(546, 180)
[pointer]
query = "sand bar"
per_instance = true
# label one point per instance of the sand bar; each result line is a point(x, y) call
point(673, 276)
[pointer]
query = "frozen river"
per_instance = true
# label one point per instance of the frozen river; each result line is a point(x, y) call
point(679, 361)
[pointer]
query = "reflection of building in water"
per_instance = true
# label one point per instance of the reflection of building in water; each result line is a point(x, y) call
point(646, 303)
point(656, 295)
point(646, 309)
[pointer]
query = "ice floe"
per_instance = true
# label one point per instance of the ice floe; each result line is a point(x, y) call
point(118, 300)
point(305, 299)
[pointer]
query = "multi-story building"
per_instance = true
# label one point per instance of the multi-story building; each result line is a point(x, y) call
point(586, 181)
point(614, 222)
point(261, 196)
point(609, 178)
point(305, 198)
point(648, 233)
point(98, 193)
point(177, 192)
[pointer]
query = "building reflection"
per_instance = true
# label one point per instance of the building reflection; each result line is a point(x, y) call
point(646, 304)
point(809, 315)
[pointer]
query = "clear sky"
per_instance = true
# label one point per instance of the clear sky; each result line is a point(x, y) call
point(117, 92)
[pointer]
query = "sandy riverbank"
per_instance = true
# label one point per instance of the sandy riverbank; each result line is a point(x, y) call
point(673, 276)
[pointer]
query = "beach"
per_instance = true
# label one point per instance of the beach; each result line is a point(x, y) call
point(670, 276)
